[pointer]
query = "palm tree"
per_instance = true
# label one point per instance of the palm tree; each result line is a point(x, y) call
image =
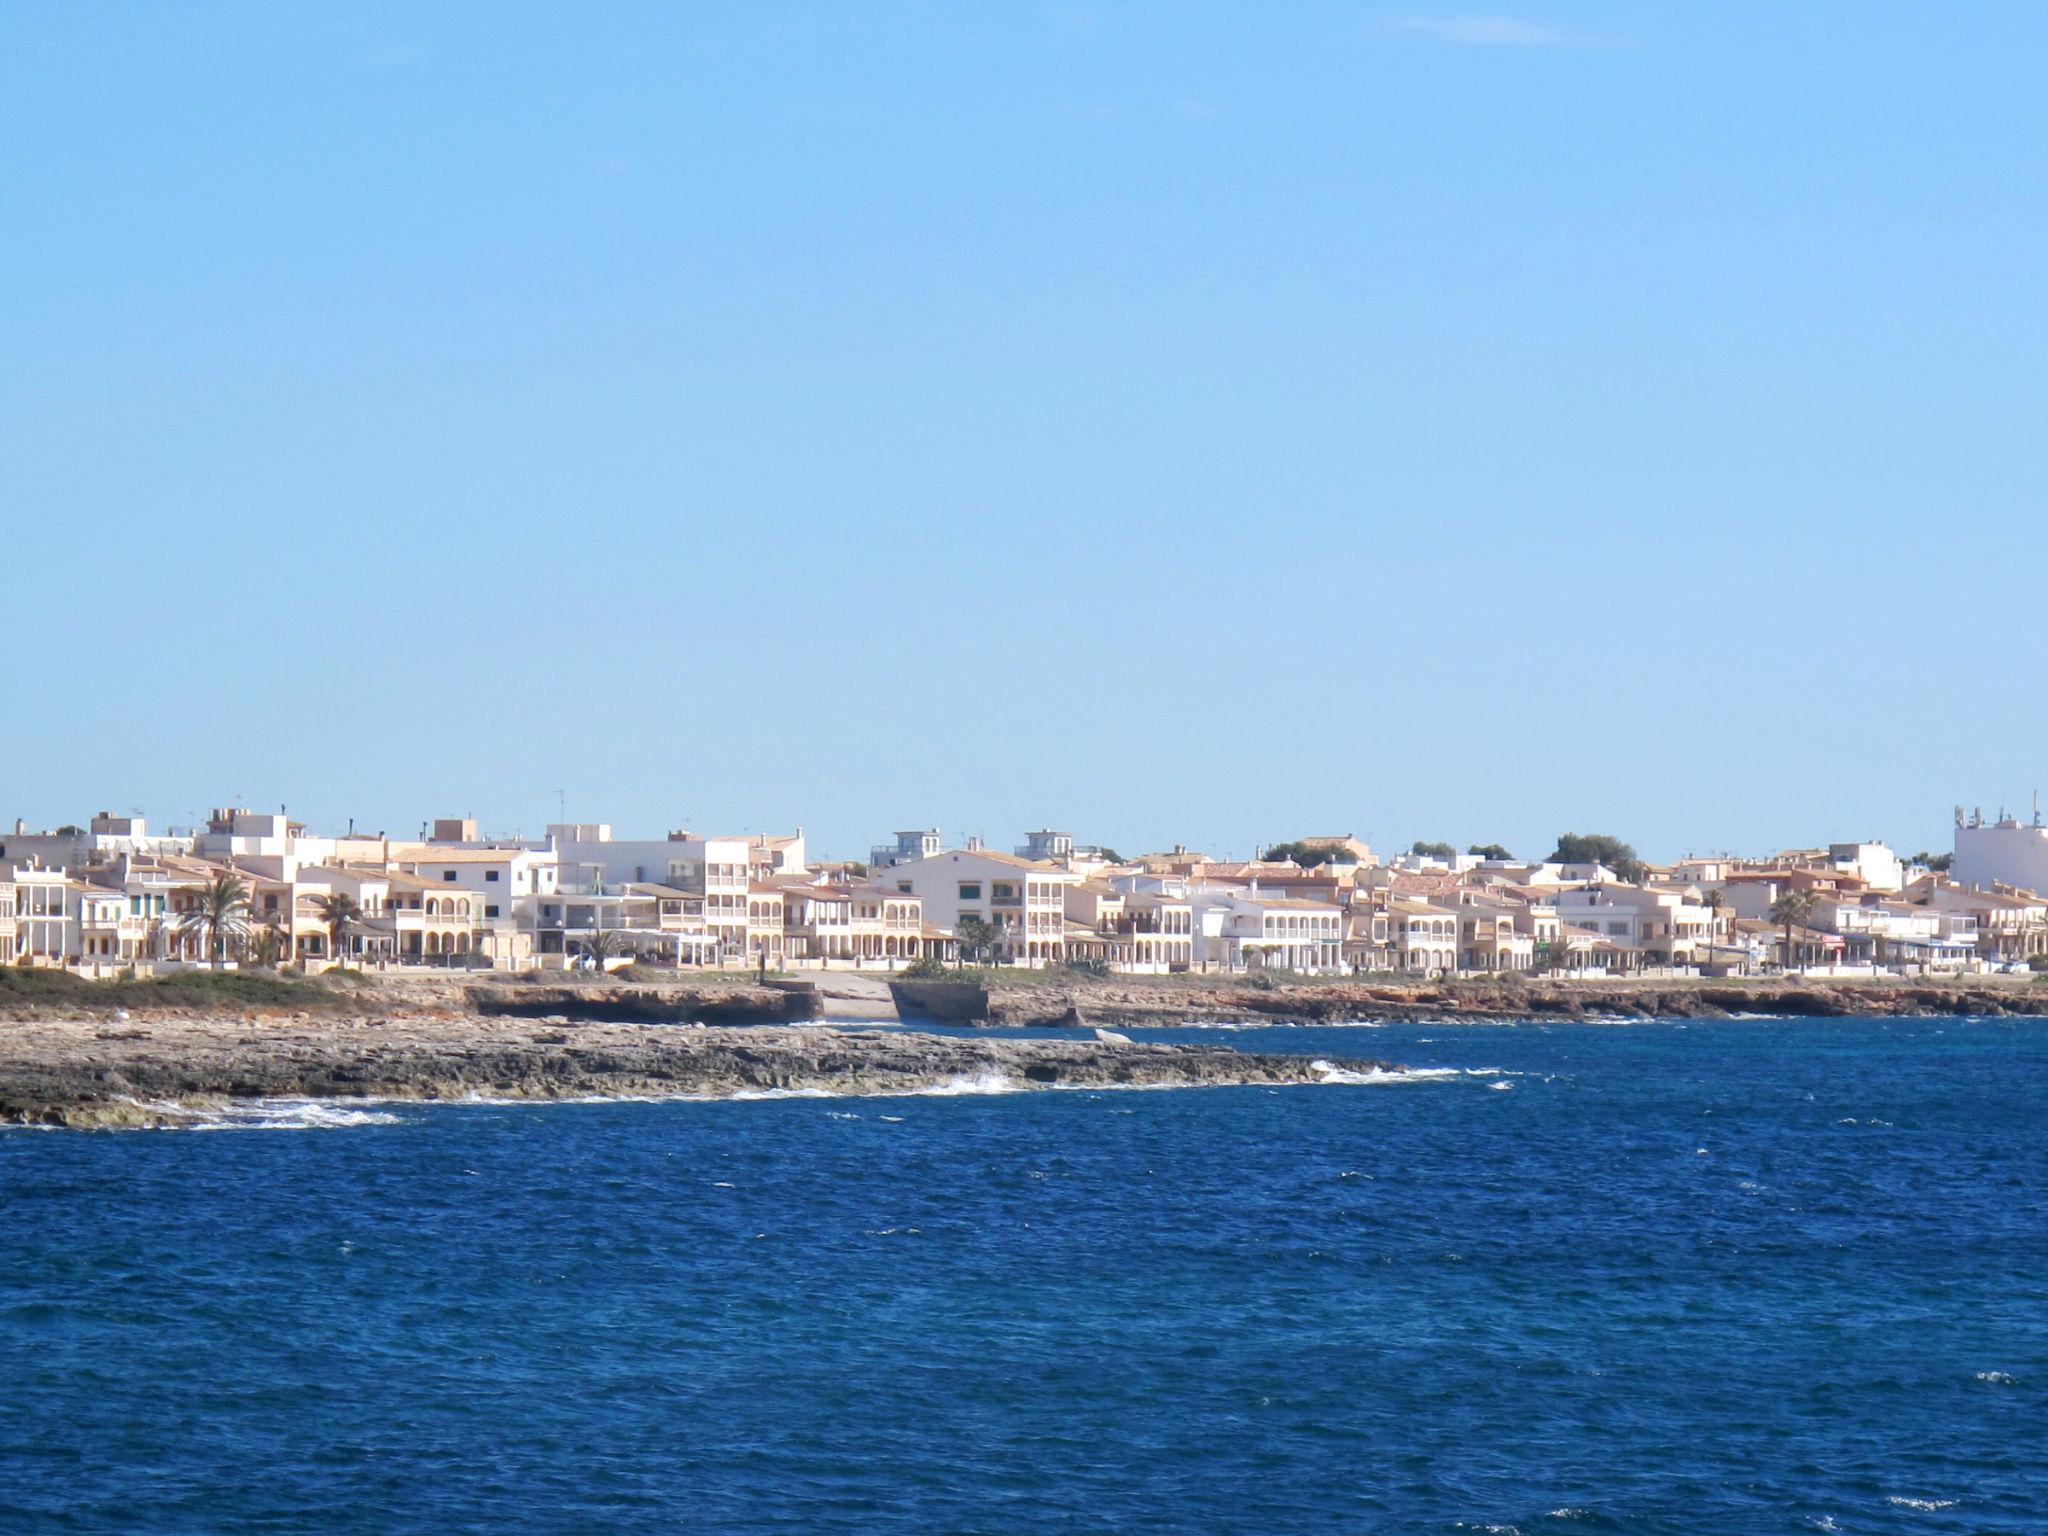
point(222, 915)
point(600, 944)
point(269, 948)
point(1792, 909)
point(340, 912)
point(1714, 900)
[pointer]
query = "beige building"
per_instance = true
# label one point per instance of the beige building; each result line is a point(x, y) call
point(1136, 931)
point(1024, 899)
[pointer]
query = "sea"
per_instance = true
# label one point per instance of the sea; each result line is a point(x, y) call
point(1742, 1276)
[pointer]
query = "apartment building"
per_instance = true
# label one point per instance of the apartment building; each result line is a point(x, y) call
point(1239, 929)
point(1138, 931)
point(1024, 899)
point(1424, 937)
point(590, 860)
point(1653, 925)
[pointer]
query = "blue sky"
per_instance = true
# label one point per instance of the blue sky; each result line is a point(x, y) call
point(1168, 422)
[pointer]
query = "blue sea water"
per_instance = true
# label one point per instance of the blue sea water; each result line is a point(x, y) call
point(1751, 1276)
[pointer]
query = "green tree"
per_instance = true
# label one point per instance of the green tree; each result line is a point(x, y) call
point(1792, 908)
point(980, 942)
point(340, 912)
point(1938, 862)
point(221, 918)
point(1307, 855)
point(268, 951)
point(1598, 848)
point(1489, 851)
point(1434, 850)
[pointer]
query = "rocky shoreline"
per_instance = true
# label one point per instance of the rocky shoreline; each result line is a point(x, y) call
point(101, 1074)
point(1140, 1004)
point(88, 1059)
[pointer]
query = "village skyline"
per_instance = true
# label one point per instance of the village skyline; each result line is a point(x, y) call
point(1239, 840)
point(117, 894)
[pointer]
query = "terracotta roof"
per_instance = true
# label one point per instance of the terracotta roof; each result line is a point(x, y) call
point(416, 853)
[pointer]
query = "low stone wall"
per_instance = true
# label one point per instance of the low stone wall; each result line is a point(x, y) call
point(785, 1003)
point(952, 1002)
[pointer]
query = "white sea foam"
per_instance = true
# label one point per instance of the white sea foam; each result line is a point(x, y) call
point(1902, 1502)
point(749, 1094)
point(1995, 1378)
point(1332, 1073)
point(986, 1081)
point(1501, 1087)
point(287, 1115)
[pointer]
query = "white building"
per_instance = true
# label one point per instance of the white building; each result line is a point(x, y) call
point(1024, 898)
point(918, 843)
point(1874, 864)
point(45, 915)
point(1237, 929)
point(1663, 925)
point(505, 886)
point(106, 837)
point(2003, 852)
point(590, 860)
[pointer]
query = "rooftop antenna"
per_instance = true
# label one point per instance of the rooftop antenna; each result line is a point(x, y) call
point(2037, 808)
point(562, 806)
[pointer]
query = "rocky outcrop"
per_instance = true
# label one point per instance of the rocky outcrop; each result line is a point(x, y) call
point(1129, 1001)
point(90, 1075)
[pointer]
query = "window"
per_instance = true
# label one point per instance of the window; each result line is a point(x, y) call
point(448, 874)
point(903, 886)
point(491, 876)
point(491, 909)
point(970, 890)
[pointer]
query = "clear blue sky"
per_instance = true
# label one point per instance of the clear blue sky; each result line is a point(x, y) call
point(1164, 421)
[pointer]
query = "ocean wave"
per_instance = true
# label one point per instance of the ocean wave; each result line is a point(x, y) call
point(1332, 1073)
point(304, 1114)
point(987, 1081)
point(278, 1115)
point(1995, 1378)
point(1901, 1501)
